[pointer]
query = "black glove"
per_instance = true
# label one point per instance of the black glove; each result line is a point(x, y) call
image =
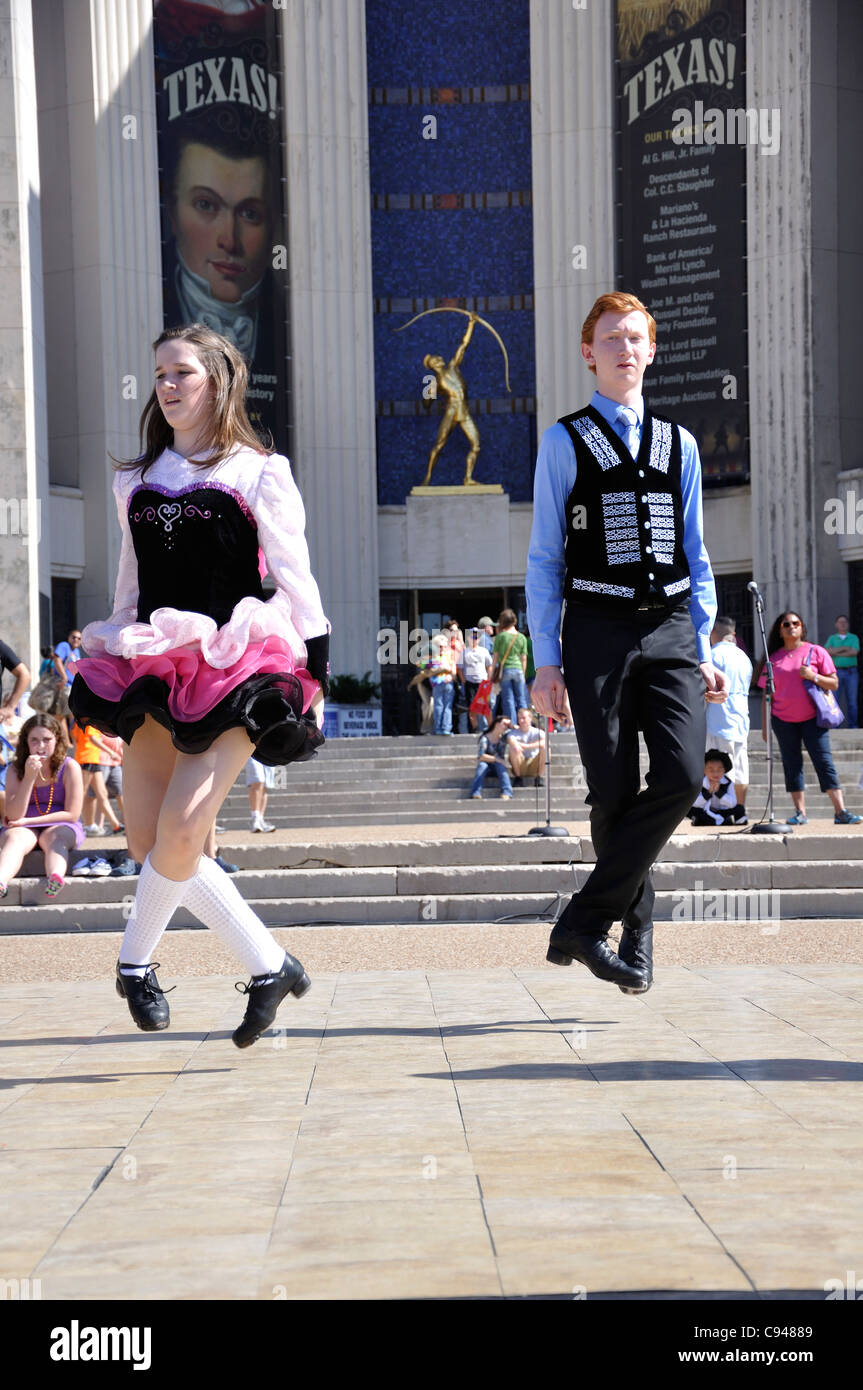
point(317, 660)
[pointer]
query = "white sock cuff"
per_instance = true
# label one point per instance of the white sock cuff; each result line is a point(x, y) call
point(155, 903)
point(218, 903)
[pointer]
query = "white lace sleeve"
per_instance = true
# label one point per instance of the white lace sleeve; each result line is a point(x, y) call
point(279, 512)
point(126, 588)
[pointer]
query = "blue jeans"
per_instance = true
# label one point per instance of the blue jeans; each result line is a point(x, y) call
point(791, 737)
point(443, 695)
point(482, 771)
point(513, 694)
point(849, 678)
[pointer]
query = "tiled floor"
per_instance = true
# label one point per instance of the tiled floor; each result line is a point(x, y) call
point(457, 1133)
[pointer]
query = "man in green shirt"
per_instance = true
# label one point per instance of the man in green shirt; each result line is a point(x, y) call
point(844, 647)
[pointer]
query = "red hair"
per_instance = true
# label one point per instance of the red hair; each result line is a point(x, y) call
point(618, 302)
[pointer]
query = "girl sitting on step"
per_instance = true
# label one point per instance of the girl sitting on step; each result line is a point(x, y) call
point(44, 794)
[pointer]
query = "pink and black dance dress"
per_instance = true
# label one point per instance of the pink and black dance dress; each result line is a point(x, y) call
point(193, 641)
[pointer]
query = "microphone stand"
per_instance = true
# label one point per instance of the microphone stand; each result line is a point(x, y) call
point(548, 828)
point(770, 826)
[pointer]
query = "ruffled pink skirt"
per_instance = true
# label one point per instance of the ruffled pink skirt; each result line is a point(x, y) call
point(196, 702)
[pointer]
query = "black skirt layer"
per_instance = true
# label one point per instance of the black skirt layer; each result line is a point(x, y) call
point(268, 707)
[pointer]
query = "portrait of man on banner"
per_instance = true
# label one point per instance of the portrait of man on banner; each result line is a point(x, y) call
point(222, 202)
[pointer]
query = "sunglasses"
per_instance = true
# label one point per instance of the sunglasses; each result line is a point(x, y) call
point(794, 623)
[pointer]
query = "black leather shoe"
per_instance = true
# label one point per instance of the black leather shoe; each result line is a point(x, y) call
point(147, 1004)
point(636, 949)
point(266, 993)
point(597, 955)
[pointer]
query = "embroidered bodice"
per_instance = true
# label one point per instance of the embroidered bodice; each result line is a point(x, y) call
point(200, 542)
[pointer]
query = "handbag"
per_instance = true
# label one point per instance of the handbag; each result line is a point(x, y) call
point(481, 702)
point(48, 696)
point(828, 715)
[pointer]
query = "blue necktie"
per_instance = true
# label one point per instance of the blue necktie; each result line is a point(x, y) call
point(626, 421)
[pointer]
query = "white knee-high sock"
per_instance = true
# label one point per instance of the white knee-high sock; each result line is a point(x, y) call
point(155, 902)
point(219, 904)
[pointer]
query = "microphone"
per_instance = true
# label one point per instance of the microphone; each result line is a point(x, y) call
point(753, 589)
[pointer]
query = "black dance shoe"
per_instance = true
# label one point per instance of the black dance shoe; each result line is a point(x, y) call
point(147, 1004)
point(636, 949)
point(593, 951)
point(266, 993)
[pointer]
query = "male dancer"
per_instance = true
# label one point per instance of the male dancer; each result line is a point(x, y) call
point(617, 534)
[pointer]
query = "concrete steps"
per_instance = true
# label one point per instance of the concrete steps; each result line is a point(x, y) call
point(726, 877)
point(336, 876)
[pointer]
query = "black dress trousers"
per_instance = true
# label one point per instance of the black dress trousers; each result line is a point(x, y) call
point(624, 673)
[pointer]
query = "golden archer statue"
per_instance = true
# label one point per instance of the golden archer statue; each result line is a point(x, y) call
point(450, 380)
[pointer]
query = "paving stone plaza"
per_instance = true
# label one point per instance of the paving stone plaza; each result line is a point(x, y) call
point(444, 1115)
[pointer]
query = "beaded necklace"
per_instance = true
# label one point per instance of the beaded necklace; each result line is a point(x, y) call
point(50, 798)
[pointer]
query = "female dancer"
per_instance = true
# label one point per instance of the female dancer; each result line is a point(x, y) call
point(44, 795)
point(194, 670)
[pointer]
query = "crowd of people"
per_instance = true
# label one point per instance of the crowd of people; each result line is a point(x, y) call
point(800, 667)
point(462, 668)
point(484, 677)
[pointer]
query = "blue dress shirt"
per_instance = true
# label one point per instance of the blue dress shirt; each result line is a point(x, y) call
point(556, 470)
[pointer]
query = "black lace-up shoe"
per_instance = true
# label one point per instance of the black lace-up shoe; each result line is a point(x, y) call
point(147, 1004)
point(266, 993)
point(594, 952)
point(636, 949)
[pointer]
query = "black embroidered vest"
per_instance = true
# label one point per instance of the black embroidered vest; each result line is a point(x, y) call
point(197, 550)
point(624, 536)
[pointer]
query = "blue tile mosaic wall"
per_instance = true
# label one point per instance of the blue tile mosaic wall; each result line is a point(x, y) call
point(451, 220)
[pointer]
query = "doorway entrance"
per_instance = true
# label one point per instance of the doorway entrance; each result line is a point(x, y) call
point(430, 609)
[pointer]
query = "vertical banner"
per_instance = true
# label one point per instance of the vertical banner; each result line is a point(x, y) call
point(681, 136)
point(222, 190)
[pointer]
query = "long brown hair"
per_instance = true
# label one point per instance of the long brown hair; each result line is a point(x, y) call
point(229, 378)
point(775, 642)
point(22, 751)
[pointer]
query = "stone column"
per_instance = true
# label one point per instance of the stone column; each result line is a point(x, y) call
point(24, 571)
point(326, 98)
point(779, 212)
point(115, 258)
point(572, 133)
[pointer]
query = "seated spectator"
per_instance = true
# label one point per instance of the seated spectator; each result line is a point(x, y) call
point(44, 792)
point(716, 803)
point(492, 754)
point(526, 749)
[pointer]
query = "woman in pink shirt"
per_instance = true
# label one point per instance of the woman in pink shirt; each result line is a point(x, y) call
point(794, 714)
